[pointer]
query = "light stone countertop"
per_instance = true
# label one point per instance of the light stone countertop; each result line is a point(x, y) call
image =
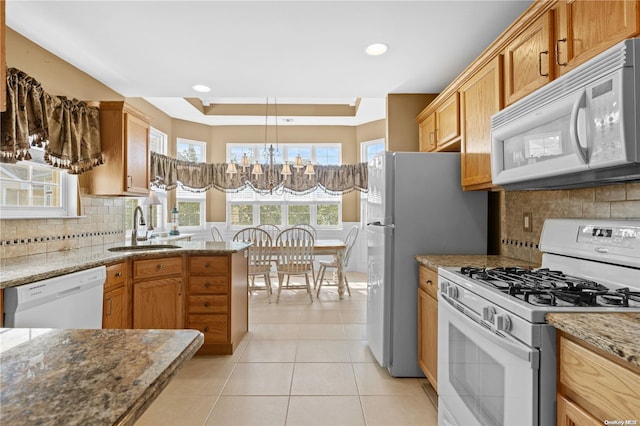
point(27, 269)
point(434, 261)
point(87, 377)
point(617, 334)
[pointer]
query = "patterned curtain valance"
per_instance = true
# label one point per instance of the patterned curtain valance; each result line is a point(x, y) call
point(68, 129)
point(169, 173)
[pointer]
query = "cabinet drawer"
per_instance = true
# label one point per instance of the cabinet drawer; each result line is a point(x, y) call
point(207, 304)
point(600, 383)
point(428, 281)
point(157, 267)
point(116, 276)
point(207, 265)
point(214, 327)
point(210, 285)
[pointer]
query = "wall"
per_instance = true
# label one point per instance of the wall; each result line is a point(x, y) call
point(605, 202)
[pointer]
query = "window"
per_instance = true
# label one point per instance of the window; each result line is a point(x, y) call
point(248, 208)
point(191, 205)
point(368, 150)
point(33, 189)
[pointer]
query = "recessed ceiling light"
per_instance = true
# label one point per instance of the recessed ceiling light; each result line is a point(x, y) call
point(201, 88)
point(376, 49)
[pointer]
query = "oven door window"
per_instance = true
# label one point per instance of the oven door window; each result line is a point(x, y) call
point(484, 378)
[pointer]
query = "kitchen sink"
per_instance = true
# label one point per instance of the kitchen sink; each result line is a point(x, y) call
point(144, 247)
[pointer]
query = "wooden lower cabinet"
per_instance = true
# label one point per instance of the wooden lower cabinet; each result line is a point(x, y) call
point(217, 300)
point(116, 309)
point(593, 386)
point(428, 325)
point(158, 289)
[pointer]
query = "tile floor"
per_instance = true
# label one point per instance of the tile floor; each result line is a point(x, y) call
point(301, 363)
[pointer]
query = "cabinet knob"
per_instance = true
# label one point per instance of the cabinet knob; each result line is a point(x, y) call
point(206, 329)
point(429, 282)
point(206, 265)
point(206, 285)
point(118, 274)
point(159, 266)
point(206, 304)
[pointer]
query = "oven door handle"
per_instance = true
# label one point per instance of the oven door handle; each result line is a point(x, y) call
point(520, 351)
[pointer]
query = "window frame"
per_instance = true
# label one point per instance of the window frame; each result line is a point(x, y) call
point(188, 196)
point(364, 157)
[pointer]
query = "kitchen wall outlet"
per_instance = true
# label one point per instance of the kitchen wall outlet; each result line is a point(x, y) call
point(527, 222)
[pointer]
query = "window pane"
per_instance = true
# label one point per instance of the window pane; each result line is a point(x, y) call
point(28, 185)
point(190, 151)
point(373, 149)
point(304, 152)
point(14, 172)
point(327, 214)
point(271, 214)
point(299, 214)
point(241, 215)
point(189, 213)
point(328, 155)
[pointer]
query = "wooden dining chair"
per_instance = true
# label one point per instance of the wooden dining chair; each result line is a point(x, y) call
point(216, 235)
point(259, 255)
point(273, 230)
point(349, 242)
point(295, 257)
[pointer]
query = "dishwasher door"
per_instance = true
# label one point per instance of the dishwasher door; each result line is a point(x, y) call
point(67, 301)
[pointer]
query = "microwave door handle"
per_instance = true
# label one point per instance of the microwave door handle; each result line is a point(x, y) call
point(580, 103)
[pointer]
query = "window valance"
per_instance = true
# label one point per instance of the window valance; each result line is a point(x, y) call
point(169, 173)
point(68, 129)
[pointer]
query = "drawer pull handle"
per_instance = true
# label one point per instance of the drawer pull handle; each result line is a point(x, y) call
point(562, 40)
point(206, 329)
point(546, 52)
point(118, 274)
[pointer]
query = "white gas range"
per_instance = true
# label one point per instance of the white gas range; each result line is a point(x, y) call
point(496, 354)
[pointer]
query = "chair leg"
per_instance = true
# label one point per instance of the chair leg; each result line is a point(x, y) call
point(267, 283)
point(280, 280)
point(306, 278)
point(346, 283)
point(320, 278)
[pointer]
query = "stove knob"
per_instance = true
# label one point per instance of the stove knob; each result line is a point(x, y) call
point(488, 312)
point(443, 287)
point(503, 323)
point(452, 292)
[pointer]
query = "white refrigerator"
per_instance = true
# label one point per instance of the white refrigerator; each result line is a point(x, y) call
point(415, 205)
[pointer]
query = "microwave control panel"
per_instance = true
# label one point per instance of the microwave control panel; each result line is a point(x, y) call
point(606, 127)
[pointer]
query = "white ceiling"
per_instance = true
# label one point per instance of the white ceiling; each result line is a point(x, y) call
point(297, 51)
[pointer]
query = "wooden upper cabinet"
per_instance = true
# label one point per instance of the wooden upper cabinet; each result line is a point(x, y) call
point(124, 134)
point(529, 59)
point(480, 98)
point(585, 28)
point(427, 131)
point(448, 123)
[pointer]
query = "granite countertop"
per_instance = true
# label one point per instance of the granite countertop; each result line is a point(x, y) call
point(82, 377)
point(27, 269)
point(617, 334)
point(434, 261)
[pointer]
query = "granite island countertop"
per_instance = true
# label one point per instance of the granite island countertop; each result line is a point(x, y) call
point(27, 269)
point(617, 334)
point(434, 261)
point(87, 377)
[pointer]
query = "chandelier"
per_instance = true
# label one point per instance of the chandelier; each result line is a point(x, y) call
point(270, 154)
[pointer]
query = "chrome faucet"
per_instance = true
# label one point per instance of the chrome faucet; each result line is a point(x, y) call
point(134, 232)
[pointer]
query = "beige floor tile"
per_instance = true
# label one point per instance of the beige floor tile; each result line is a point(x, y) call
point(322, 332)
point(275, 317)
point(270, 351)
point(375, 380)
point(323, 351)
point(323, 379)
point(249, 411)
point(349, 304)
point(325, 410)
point(275, 331)
point(355, 331)
point(354, 317)
point(260, 379)
point(399, 410)
point(172, 410)
point(320, 317)
point(201, 376)
point(359, 351)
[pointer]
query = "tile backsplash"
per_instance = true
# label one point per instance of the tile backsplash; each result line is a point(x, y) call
point(102, 222)
point(604, 202)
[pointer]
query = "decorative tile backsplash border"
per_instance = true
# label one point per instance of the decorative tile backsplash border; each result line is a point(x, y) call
point(102, 222)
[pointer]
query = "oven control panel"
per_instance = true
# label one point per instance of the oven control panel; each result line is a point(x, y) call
point(622, 236)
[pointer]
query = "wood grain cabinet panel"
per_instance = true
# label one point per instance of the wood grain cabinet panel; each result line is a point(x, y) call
point(529, 60)
point(209, 304)
point(116, 309)
point(427, 133)
point(448, 122)
point(585, 28)
point(158, 303)
point(480, 98)
point(428, 324)
point(570, 414)
point(209, 285)
point(214, 327)
point(159, 267)
point(203, 265)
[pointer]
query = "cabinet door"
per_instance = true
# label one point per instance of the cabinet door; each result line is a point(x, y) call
point(447, 121)
point(570, 414)
point(428, 336)
point(586, 28)
point(114, 312)
point(480, 98)
point(158, 303)
point(137, 161)
point(427, 130)
point(528, 62)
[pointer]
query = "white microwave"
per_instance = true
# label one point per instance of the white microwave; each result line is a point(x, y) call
point(579, 130)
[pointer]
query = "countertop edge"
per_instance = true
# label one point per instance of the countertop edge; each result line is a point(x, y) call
point(434, 261)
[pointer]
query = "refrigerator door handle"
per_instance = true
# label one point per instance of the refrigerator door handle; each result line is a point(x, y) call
point(378, 223)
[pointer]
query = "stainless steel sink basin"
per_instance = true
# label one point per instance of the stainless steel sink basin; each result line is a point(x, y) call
point(144, 247)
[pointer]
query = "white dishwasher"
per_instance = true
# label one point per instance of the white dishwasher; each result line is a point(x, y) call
point(67, 301)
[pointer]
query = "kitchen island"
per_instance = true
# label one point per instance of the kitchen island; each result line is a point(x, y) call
point(82, 377)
